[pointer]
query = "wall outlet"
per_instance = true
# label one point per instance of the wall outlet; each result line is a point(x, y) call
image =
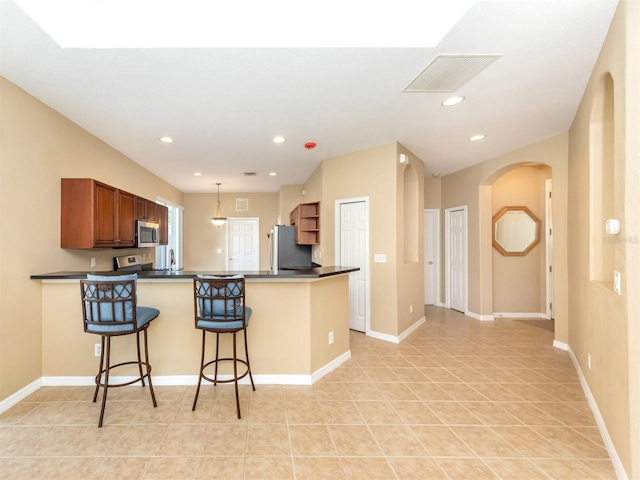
point(97, 349)
point(380, 258)
point(589, 361)
point(410, 308)
point(330, 338)
point(93, 262)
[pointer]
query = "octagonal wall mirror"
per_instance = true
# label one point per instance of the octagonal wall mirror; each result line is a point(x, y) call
point(516, 230)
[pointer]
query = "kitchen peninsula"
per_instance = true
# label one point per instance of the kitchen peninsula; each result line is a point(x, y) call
point(294, 312)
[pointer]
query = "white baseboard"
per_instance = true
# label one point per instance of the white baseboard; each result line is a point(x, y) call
point(173, 380)
point(383, 336)
point(20, 395)
point(393, 338)
point(608, 443)
point(477, 316)
point(561, 345)
point(328, 368)
point(411, 329)
point(168, 380)
point(535, 315)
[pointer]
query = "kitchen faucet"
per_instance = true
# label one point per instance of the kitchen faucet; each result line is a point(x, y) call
point(172, 260)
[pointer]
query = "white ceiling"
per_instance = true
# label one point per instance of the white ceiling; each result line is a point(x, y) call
point(328, 80)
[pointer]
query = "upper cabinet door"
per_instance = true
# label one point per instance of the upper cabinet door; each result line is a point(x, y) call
point(126, 233)
point(146, 210)
point(162, 214)
point(105, 198)
point(151, 208)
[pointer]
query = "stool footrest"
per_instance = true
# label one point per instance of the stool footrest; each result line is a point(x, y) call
point(100, 383)
point(230, 380)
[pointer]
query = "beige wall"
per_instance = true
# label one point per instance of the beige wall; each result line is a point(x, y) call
point(432, 192)
point(519, 282)
point(409, 240)
point(632, 226)
point(370, 173)
point(473, 187)
point(202, 239)
point(40, 146)
point(602, 323)
point(290, 196)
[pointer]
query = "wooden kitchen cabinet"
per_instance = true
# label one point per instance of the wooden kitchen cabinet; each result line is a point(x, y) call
point(146, 210)
point(306, 218)
point(94, 215)
point(162, 214)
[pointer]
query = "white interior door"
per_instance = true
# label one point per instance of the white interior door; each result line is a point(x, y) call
point(353, 234)
point(243, 244)
point(457, 259)
point(431, 256)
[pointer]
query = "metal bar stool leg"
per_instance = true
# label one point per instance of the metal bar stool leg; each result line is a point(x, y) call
point(99, 376)
point(246, 354)
point(148, 368)
point(195, 400)
point(215, 374)
point(235, 373)
point(106, 382)
point(139, 360)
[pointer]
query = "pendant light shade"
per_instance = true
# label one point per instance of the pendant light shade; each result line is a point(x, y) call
point(218, 220)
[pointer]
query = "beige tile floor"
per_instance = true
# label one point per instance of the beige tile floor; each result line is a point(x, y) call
point(458, 399)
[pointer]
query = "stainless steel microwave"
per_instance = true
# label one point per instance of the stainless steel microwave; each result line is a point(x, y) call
point(147, 234)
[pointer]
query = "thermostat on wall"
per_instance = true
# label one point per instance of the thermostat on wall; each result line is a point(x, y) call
point(612, 226)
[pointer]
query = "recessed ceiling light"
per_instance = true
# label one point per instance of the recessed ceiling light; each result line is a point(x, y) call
point(278, 139)
point(273, 174)
point(197, 174)
point(166, 139)
point(477, 137)
point(449, 102)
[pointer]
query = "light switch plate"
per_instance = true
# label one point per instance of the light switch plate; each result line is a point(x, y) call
point(380, 258)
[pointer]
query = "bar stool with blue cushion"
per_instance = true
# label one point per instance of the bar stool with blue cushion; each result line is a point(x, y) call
point(219, 308)
point(109, 309)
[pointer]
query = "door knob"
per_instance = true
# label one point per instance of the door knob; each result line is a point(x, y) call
point(430, 262)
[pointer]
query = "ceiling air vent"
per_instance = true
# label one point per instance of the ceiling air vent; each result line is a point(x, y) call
point(249, 174)
point(447, 73)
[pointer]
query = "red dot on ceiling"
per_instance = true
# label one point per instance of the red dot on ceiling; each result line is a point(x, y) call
point(310, 145)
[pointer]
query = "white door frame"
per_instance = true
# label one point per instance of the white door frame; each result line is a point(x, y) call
point(337, 251)
point(228, 232)
point(436, 260)
point(549, 247)
point(447, 257)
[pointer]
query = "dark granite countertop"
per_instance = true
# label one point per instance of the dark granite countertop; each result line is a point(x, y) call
point(319, 272)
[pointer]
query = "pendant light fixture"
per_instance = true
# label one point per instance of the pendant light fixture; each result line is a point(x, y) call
point(218, 219)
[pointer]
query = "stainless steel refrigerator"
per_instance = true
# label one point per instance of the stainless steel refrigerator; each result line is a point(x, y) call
point(286, 254)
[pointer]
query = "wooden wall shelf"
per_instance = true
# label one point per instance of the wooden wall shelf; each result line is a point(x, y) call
point(306, 218)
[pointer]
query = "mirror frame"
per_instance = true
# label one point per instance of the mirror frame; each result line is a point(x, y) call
point(499, 247)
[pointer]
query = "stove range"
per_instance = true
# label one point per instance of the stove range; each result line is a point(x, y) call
point(130, 263)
